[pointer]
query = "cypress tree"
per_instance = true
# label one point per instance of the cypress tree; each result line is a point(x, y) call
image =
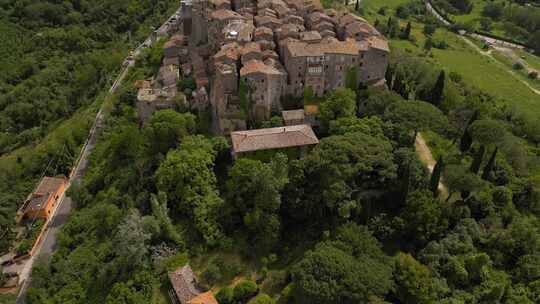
point(407, 31)
point(436, 176)
point(438, 90)
point(466, 138)
point(477, 161)
point(489, 165)
point(466, 141)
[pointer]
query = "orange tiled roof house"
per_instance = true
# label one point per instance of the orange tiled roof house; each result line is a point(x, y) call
point(42, 201)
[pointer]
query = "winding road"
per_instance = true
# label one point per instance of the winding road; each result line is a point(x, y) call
point(63, 209)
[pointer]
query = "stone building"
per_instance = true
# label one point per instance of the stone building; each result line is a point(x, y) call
point(321, 66)
point(296, 139)
point(267, 85)
point(218, 21)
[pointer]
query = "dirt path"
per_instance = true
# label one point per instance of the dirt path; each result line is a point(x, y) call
point(427, 158)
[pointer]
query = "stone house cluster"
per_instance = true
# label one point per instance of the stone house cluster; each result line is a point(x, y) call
point(279, 48)
point(247, 57)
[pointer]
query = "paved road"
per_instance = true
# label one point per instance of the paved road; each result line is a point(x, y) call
point(487, 39)
point(61, 214)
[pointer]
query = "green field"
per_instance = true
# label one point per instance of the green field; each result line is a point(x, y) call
point(476, 69)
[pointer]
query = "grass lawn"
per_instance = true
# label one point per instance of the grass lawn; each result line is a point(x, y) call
point(532, 60)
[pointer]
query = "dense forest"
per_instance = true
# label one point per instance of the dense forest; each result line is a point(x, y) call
point(358, 219)
point(56, 57)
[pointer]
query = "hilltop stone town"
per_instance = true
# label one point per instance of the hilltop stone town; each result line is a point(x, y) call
point(248, 59)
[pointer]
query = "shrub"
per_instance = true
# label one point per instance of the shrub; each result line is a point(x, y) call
point(262, 299)
point(212, 274)
point(225, 296)
point(533, 75)
point(430, 28)
point(24, 246)
point(245, 290)
point(517, 66)
point(402, 12)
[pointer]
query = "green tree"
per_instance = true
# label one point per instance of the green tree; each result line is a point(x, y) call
point(342, 171)
point(436, 176)
point(438, 90)
point(424, 216)
point(332, 274)
point(477, 160)
point(225, 295)
point(132, 240)
point(254, 197)
point(166, 128)
point(460, 180)
point(406, 33)
point(186, 176)
point(244, 290)
point(351, 78)
point(261, 299)
point(416, 116)
point(341, 103)
point(489, 166)
point(415, 283)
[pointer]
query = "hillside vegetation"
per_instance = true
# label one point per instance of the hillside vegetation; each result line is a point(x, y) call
point(56, 58)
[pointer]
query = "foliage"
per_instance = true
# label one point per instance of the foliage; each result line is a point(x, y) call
point(415, 282)
point(341, 103)
point(244, 290)
point(349, 269)
point(254, 198)
point(187, 178)
point(225, 295)
point(261, 299)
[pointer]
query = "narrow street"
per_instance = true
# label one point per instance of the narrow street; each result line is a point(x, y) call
point(61, 213)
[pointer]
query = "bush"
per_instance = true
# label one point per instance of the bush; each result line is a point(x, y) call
point(533, 75)
point(24, 246)
point(212, 274)
point(430, 28)
point(225, 296)
point(517, 66)
point(245, 290)
point(262, 299)
point(402, 12)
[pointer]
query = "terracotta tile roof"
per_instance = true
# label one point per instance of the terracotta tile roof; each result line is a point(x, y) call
point(250, 47)
point(310, 36)
point(257, 66)
point(379, 42)
point(231, 53)
point(317, 17)
point(293, 115)
point(204, 298)
point(266, 20)
point(223, 14)
point(273, 138)
point(348, 18)
point(176, 40)
point(263, 30)
point(184, 284)
point(311, 109)
point(47, 187)
point(326, 46)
